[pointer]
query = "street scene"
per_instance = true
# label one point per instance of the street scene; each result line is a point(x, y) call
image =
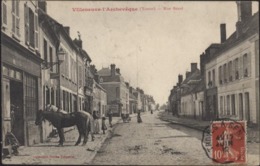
point(130, 83)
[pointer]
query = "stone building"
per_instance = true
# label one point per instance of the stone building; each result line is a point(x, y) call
point(117, 92)
point(236, 68)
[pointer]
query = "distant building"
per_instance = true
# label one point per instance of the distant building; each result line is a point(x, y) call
point(99, 98)
point(117, 92)
point(132, 101)
point(192, 94)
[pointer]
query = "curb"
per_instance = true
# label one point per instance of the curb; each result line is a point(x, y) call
point(183, 124)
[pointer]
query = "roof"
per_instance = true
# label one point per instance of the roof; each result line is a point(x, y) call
point(104, 72)
point(116, 78)
point(249, 28)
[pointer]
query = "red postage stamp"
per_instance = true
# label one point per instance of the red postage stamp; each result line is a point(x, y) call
point(229, 141)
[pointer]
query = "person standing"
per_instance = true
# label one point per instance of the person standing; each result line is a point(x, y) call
point(110, 115)
point(103, 127)
point(139, 119)
point(96, 123)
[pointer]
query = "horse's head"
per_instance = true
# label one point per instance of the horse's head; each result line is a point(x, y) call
point(51, 108)
point(39, 117)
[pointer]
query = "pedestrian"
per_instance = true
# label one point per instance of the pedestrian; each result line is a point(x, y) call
point(96, 122)
point(139, 119)
point(110, 115)
point(104, 127)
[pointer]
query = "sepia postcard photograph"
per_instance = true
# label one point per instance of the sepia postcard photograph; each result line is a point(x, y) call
point(129, 82)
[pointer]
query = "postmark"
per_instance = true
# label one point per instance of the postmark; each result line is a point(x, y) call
point(225, 141)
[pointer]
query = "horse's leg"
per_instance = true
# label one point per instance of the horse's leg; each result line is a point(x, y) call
point(85, 132)
point(79, 139)
point(60, 136)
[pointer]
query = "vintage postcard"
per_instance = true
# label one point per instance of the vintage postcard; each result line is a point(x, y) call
point(129, 82)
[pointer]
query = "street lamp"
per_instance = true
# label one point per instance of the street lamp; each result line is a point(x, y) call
point(60, 58)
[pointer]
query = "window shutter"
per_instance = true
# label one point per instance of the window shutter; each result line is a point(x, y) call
point(13, 22)
point(18, 26)
point(26, 23)
point(240, 67)
point(4, 19)
point(36, 31)
point(249, 63)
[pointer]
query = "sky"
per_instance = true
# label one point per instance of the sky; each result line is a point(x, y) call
point(152, 43)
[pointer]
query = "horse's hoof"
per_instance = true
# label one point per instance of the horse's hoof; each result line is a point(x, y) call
point(60, 145)
point(76, 144)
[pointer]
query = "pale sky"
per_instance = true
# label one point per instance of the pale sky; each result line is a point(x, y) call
point(151, 47)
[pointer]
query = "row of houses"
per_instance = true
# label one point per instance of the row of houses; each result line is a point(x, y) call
point(227, 84)
point(41, 64)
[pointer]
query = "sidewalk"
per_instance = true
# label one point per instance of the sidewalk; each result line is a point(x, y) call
point(252, 133)
point(50, 153)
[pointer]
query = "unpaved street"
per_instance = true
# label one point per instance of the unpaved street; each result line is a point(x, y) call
point(153, 142)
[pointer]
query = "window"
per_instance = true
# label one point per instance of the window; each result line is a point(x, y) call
point(51, 59)
point(228, 105)
point(230, 71)
point(233, 104)
point(31, 27)
point(225, 73)
point(4, 13)
point(45, 51)
point(209, 79)
point(236, 69)
point(220, 75)
point(246, 65)
point(30, 96)
point(213, 77)
point(241, 106)
point(15, 18)
point(221, 105)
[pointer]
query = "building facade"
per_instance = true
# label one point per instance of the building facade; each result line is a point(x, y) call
point(20, 70)
point(236, 66)
point(117, 92)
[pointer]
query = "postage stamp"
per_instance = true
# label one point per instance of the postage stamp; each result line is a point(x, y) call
point(228, 141)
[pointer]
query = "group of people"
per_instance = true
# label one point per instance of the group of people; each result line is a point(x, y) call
point(96, 118)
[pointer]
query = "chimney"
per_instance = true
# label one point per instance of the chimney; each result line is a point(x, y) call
point(43, 5)
point(118, 70)
point(180, 79)
point(78, 42)
point(193, 67)
point(223, 33)
point(127, 84)
point(188, 73)
point(244, 10)
point(113, 69)
point(67, 30)
point(202, 63)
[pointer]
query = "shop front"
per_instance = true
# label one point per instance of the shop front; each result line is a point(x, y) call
point(21, 71)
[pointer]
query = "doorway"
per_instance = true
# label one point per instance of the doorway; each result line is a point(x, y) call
point(17, 113)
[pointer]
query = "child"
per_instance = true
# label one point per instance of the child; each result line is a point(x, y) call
point(104, 127)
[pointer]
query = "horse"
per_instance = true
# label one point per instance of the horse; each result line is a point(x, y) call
point(61, 120)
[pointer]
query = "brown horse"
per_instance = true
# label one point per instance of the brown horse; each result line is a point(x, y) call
point(60, 120)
